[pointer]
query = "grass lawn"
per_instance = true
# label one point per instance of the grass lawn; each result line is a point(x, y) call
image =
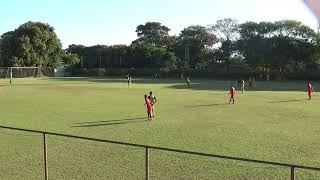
point(273, 122)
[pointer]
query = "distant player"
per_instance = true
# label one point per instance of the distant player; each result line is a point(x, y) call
point(129, 80)
point(250, 82)
point(242, 85)
point(188, 82)
point(232, 94)
point(309, 89)
point(10, 77)
point(149, 107)
point(157, 76)
point(153, 100)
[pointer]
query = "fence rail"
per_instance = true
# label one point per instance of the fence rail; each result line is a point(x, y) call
point(147, 149)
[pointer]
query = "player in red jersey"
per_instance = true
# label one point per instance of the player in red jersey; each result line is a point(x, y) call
point(309, 89)
point(149, 107)
point(232, 94)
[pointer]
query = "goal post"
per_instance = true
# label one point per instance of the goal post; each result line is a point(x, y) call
point(25, 72)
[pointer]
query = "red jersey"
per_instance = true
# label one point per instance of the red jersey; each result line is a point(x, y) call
point(232, 91)
point(148, 103)
point(309, 87)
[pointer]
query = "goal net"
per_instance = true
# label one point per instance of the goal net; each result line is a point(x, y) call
point(25, 72)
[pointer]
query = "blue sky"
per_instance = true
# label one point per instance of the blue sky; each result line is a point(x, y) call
point(91, 22)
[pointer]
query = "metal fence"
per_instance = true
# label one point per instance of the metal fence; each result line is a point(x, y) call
point(147, 148)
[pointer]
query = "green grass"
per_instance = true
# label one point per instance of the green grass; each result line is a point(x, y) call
point(272, 122)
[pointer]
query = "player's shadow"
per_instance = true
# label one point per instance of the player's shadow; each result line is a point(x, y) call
point(110, 122)
point(218, 94)
point(207, 105)
point(107, 121)
point(287, 101)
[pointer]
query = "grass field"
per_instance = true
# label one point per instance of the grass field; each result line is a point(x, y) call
point(272, 122)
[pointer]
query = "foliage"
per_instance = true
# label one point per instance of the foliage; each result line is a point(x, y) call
point(153, 33)
point(31, 44)
point(70, 58)
point(192, 44)
point(279, 48)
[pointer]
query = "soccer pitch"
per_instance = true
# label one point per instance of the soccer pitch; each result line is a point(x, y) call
point(274, 121)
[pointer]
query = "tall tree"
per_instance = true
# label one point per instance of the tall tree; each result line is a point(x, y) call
point(227, 31)
point(279, 47)
point(32, 44)
point(192, 44)
point(153, 33)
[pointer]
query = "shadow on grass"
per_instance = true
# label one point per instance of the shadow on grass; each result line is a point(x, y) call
point(118, 80)
point(196, 84)
point(207, 105)
point(259, 86)
point(218, 94)
point(128, 119)
point(287, 101)
point(43, 84)
point(109, 122)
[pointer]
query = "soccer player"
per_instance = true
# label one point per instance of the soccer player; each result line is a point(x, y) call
point(250, 82)
point(242, 85)
point(157, 76)
point(188, 82)
point(153, 100)
point(232, 94)
point(11, 77)
point(310, 89)
point(149, 107)
point(129, 80)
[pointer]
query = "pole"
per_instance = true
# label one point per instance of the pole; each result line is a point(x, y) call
point(292, 173)
point(100, 61)
point(81, 62)
point(45, 157)
point(147, 163)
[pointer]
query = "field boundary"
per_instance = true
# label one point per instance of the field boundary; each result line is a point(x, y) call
point(148, 148)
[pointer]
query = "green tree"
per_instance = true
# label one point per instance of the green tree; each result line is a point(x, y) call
point(32, 44)
point(226, 29)
point(192, 45)
point(153, 33)
point(70, 58)
point(279, 47)
point(159, 58)
point(227, 32)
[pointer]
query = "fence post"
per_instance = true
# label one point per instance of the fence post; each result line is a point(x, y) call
point(147, 162)
point(45, 157)
point(292, 172)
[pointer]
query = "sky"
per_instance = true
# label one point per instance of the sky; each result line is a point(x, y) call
point(108, 22)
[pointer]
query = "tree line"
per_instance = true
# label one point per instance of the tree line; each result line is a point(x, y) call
point(277, 48)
